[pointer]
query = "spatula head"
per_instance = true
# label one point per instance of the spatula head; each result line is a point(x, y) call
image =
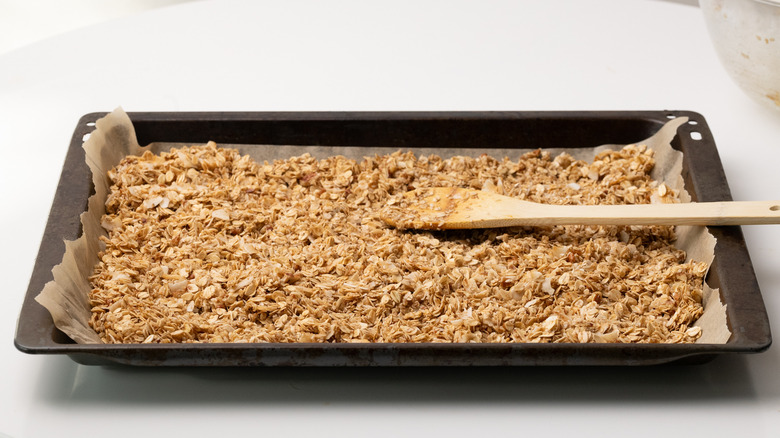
point(431, 208)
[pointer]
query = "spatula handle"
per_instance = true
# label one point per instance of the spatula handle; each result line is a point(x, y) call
point(692, 213)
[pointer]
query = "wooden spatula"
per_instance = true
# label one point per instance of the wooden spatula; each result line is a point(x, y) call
point(447, 208)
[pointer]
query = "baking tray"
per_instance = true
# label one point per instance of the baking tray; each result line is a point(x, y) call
point(731, 272)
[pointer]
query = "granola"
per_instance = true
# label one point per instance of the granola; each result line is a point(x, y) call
point(206, 245)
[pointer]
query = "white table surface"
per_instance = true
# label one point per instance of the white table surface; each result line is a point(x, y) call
point(388, 55)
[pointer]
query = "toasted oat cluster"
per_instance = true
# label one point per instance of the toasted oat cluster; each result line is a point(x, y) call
point(206, 245)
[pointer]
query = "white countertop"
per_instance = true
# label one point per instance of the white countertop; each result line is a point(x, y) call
point(389, 55)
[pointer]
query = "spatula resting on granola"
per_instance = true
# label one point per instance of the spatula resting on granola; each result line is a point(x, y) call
point(447, 208)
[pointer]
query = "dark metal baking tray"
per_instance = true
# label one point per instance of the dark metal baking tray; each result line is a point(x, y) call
point(731, 271)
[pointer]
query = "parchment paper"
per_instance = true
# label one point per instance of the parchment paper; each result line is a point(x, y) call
point(66, 297)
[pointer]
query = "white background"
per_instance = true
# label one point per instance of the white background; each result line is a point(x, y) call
point(387, 55)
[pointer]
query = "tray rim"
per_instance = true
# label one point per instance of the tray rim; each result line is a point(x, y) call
point(636, 354)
